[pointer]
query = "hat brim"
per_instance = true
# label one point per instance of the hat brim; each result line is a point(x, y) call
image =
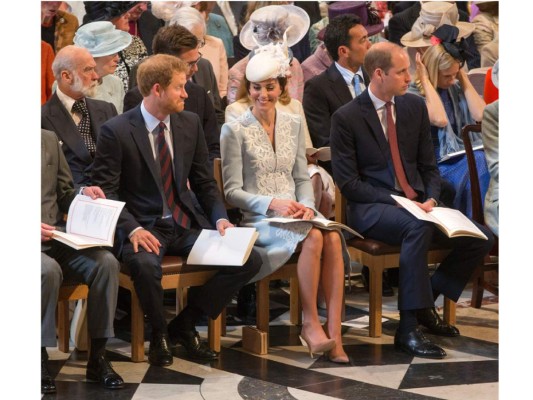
point(119, 42)
point(298, 20)
point(465, 30)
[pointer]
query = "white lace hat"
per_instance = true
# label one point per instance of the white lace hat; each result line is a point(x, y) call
point(270, 61)
point(101, 38)
point(269, 23)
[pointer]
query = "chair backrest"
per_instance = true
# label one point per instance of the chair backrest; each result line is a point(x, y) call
point(477, 78)
point(340, 206)
point(217, 172)
point(477, 203)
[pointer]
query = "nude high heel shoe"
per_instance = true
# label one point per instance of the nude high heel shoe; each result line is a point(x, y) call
point(321, 347)
point(343, 359)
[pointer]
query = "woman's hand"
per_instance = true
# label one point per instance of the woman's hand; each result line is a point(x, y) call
point(286, 208)
point(306, 213)
point(421, 70)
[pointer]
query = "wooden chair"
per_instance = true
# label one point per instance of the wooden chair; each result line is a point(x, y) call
point(176, 275)
point(67, 292)
point(255, 340)
point(378, 256)
point(491, 261)
point(477, 78)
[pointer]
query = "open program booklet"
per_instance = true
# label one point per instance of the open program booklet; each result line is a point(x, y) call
point(318, 222)
point(452, 222)
point(233, 248)
point(322, 154)
point(90, 223)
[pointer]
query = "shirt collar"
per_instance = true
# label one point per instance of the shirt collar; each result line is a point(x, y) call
point(378, 103)
point(66, 100)
point(348, 75)
point(152, 122)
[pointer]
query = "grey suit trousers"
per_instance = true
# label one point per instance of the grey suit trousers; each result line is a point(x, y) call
point(97, 268)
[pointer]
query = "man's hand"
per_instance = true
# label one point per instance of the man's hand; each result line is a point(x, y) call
point(94, 192)
point(46, 232)
point(286, 208)
point(222, 225)
point(146, 240)
point(427, 206)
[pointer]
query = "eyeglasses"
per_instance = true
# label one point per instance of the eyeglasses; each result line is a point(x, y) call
point(201, 43)
point(193, 63)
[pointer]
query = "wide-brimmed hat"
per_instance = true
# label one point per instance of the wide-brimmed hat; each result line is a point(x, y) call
point(105, 10)
point(271, 22)
point(359, 8)
point(101, 38)
point(270, 61)
point(434, 14)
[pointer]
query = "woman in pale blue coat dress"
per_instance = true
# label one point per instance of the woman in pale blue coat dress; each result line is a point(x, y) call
point(264, 170)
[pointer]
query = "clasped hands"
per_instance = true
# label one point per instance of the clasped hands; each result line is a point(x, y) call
point(291, 208)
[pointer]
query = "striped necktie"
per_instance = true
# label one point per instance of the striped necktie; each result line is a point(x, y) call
point(168, 181)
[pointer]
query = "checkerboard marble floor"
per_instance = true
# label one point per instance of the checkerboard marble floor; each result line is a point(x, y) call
point(376, 369)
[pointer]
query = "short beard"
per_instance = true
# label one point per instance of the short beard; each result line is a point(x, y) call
point(77, 86)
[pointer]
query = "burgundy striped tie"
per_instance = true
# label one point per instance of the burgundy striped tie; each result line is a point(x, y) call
point(168, 182)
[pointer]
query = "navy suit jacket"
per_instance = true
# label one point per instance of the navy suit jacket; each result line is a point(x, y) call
point(55, 117)
point(323, 95)
point(125, 169)
point(361, 159)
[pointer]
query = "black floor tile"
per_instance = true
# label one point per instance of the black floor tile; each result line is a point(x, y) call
point(165, 375)
point(447, 374)
point(81, 390)
point(367, 354)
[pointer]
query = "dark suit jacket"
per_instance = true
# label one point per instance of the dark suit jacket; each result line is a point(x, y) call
point(55, 117)
point(148, 25)
point(205, 77)
point(361, 159)
point(125, 169)
point(198, 102)
point(323, 95)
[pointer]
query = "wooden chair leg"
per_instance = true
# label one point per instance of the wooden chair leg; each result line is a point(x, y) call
point(63, 326)
point(263, 305)
point(376, 300)
point(213, 332)
point(478, 283)
point(295, 305)
point(450, 311)
point(137, 329)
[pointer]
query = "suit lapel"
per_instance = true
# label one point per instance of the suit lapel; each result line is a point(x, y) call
point(176, 126)
point(338, 85)
point(67, 130)
point(140, 137)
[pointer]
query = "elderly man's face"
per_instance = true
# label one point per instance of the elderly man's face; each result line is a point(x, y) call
point(84, 77)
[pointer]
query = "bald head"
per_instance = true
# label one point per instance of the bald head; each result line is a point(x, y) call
point(74, 70)
point(380, 56)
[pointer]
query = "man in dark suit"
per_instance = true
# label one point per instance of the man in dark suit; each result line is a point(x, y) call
point(96, 267)
point(364, 170)
point(72, 114)
point(147, 157)
point(179, 42)
point(346, 40)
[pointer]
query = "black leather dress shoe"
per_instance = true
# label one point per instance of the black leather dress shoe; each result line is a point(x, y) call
point(47, 383)
point(387, 290)
point(430, 319)
point(190, 339)
point(159, 351)
point(100, 370)
point(416, 344)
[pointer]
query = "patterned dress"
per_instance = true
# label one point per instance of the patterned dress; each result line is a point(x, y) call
point(254, 173)
point(130, 56)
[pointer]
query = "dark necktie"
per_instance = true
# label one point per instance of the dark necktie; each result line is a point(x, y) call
point(168, 181)
point(395, 153)
point(84, 126)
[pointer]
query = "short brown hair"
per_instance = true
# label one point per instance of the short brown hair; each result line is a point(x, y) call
point(158, 68)
point(244, 90)
point(173, 40)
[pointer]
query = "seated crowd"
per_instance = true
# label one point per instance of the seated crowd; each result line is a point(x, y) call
point(138, 99)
